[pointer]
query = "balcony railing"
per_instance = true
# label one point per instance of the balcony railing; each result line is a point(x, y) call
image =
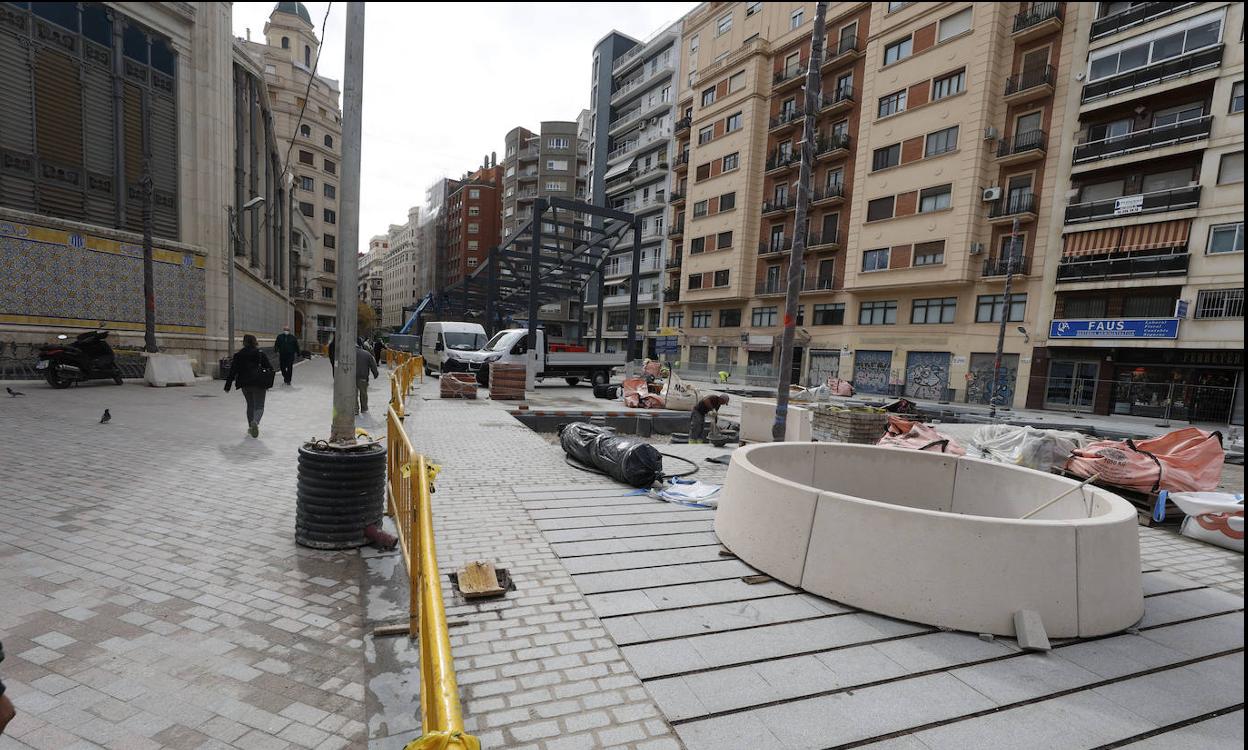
point(671, 294)
point(786, 117)
point(830, 143)
point(676, 229)
point(1175, 199)
point(829, 239)
point(781, 204)
point(1135, 16)
point(676, 196)
point(1029, 79)
point(1001, 266)
point(771, 286)
point(1024, 203)
point(1030, 141)
point(683, 123)
point(1145, 140)
point(1037, 14)
point(843, 46)
point(790, 72)
point(682, 160)
point(818, 284)
point(1163, 71)
point(828, 192)
point(1174, 264)
point(780, 245)
point(673, 262)
point(781, 160)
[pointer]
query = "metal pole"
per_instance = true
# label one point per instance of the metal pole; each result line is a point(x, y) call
point(780, 426)
point(602, 288)
point(149, 280)
point(229, 277)
point(535, 261)
point(633, 283)
point(348, 240)
point(491, 275)
point(1005, 317)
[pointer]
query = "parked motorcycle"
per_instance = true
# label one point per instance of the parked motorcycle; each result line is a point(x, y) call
point(89, 357)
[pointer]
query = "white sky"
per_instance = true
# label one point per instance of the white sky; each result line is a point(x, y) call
point(444, 82)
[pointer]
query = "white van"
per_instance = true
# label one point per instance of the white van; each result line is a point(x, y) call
point(451, 347)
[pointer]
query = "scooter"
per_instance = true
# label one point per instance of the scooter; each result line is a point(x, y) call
point(89, 357)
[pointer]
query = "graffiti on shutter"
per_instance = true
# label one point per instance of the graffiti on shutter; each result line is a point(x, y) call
point(872, 371)
point(824, 364)
point(927, 375)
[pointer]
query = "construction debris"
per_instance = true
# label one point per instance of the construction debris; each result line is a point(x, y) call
point(458, 385)
point(1029, 631)
point(479, 579)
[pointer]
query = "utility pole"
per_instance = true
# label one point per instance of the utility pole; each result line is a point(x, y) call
point(149, 281)
point(1005, 317)
point(813, 100)
point(343, 429)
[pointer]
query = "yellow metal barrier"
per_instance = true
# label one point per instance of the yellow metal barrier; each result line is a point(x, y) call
point(409, 499)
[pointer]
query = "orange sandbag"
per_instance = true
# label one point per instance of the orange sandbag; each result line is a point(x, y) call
point(1186, 460)
point(904, 433)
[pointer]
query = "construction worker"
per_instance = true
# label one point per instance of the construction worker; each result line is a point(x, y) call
point(697, 418)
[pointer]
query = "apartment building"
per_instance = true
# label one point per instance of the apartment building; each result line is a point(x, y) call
point(473, 223)
point(400, 269)
point(307, 119)
point(632, 98)
point(371, 283)
point(1147, 290)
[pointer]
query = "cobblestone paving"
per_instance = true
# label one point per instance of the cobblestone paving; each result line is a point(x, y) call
point(151, 593)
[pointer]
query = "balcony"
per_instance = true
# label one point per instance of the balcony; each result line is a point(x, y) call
point(779, 205)
point(526, 195)
point(828, 195)
point(781, 161)
point(528, 154)
point(1030, 85)
point(1153, 74)
point(1023, 148)
point(775, 246)
point(1006, 210)
point(638, 83)
point(1001, 266)
point(826, 284)
point(676, 197)
point(1144, 140)
point(1142, 13)
point(771, 286)
point(671, 294)
point(677, 229)
point(834, 146)
point(785, 119)
point(626, 268)
point(1142, 266)
point(623, 299)
point(683, 123)
point(681, 162)
point(1157, 201)
point(843, 49)
point(840, 100)
point(1041, 19)
point(527, 174)
point(789, 76)
point(820, 243)
point(673, 263)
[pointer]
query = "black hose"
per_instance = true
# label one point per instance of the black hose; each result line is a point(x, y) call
point(567, 457)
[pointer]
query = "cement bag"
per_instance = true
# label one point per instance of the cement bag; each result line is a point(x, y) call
point(1213, 517)
point(1186, 460)
point(903, 433)
point(679, 395)
point(1027, 446)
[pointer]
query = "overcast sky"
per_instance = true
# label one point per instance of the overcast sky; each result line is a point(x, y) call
point(444, 82)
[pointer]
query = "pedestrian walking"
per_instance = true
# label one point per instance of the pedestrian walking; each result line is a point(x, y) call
point(378, 349)
point(331, 352)
point(251, 372)
point(7, 712)
point(697, 418)
point(287, 348)
point(364, 364)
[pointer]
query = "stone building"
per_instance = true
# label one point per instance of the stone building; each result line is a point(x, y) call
point(371, 284)
point(400, 267)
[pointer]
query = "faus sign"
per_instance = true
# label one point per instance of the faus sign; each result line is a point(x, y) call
point(1115, 328)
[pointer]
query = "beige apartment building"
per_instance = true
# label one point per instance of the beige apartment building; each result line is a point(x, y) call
point(400, 286)
point(308, 123)
point(371, 279)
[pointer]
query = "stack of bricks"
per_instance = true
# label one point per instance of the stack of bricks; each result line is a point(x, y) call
point(458, 385)
point(507, 382)
point(848, 426)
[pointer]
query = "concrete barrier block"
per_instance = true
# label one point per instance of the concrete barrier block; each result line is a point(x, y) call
point(168, 369)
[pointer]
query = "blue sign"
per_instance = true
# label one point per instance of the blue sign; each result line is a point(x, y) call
point(1115, 328)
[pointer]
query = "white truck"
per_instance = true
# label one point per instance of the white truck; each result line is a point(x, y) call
point(512, 347)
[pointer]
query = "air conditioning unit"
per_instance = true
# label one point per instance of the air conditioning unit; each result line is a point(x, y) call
point(977, 248)
point(990, 134)
point(992, 194)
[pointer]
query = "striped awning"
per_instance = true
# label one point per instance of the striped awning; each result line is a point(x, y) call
point(1156, 236)
point(1097, 242)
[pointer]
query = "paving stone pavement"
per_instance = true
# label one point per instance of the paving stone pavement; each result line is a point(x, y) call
point(151, 593)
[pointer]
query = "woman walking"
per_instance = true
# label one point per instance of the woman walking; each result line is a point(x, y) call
point(251, 372)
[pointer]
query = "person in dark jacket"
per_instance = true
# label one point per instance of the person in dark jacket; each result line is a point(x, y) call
point(330, 346)
point(697, 418)
point(378, 349)
point(287, 348)
point(7, 712)
point(250, 371)
point(364, 364)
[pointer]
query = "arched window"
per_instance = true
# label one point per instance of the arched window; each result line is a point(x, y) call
point(307, 56)
point(305, 131)
point(285, 42)
point(329, 141)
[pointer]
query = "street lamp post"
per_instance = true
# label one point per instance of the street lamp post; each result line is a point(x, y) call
point(236, 236)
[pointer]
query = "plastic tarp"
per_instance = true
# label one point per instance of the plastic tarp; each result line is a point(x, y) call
point(1027, 446)
point(1186, 460)
point(625, 459)
point(637, 395)
point(690, 492)
point(903, 433)
point(1213, 517)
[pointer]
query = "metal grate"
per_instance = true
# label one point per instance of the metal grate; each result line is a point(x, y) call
point(1220, 303)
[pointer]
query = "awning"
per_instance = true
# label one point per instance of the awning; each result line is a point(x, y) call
point(619, 169)
point(1098, 242)
point(1156, 236)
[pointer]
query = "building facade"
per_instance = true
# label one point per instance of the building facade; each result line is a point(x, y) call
point(1147, 285)
point(72, 196)
point(308, 119)
point(400, 268)
point(632, 96)
point(473, 223)
point(371, 278)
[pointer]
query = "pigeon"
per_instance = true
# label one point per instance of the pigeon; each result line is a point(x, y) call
point(104, 419)
point(13, 393)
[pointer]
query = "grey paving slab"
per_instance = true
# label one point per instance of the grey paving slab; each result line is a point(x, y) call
point(673, 597)
point(1188, 604)
point(1202, 636)
point(716, 617)
point(566, 550)
point(670, 575)
point(638, 510)
point(644, 559)
point(661, 515)
point(1177, 694)
point(1225, 731)
point(584, 534)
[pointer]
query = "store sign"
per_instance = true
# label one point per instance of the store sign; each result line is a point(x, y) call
point(1115, 328)
point(1129, 204)
point(1180, 309)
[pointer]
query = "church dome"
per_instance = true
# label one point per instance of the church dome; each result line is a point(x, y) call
point(294, 9)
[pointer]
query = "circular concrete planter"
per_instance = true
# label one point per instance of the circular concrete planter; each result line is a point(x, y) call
point(933, 538)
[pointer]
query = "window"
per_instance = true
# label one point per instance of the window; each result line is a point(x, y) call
point(892, 103)
point(736, 82)
point(731, 162)
point(675, 319)
point(723, 240)
point(888, 156)
point(880, 208)
point(1231, 169)
point(703, 172)
point(935, 198)
point(695, 281)
point(556, 186)
point(474, 210)
point(729, 318)
point(330, 240)
point(708, 97)
point(706, 134)
point(732, 123)
point(1084, 307)
point(951, 26)
point(752, 8)
point(728, 201)
point(882, 313)
point(307, 183)
point(474, 245)
point(327, 292)
point(307, 56)
point(557, 142)
point(875, 260)
point(285, 42)
point(1148, 306)
point(942, 141)
point(699, 209)
point(898, 50)
point(929, 253)
point(829, 315)
point(305, 157)
point(329, 141)
point(330, 216)
point(762, 317)
point(834, 179)
point(724, 25)
point(474, 228)
point(894, 7)
point(1219, 303)
point(988, 308)
point(331, 167)
point(934, 310)
point(701, 318)
point(1165, 43)
point(306, 132)
point(1237, 97)
point(556, 165)
point(474, 193)
point(328, 265)
point(1226, 238)
point(697, 245)
point(721, 277)
point(796, 19)
point(948, 85)
point(1099, 191)
point(307, 209)
point(330, 191)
